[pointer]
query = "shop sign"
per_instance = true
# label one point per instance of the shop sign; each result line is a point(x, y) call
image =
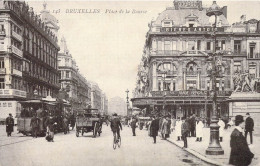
point(188, 93)
point(192, 29)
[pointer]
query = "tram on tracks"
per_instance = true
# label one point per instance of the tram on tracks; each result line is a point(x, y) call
point(42, 108)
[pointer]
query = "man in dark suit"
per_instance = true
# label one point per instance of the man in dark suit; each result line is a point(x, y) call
point(133, 125)
point(154, 128)
point(249, 127)
point(185, 131)
point(240, 154)
point(9, 122)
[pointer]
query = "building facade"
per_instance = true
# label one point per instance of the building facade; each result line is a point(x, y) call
point(175, 71)
point(104, 104)
point(96, 96)
point(28, 55)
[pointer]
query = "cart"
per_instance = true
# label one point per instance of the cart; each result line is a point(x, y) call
point(142, 121)
point(88, 120)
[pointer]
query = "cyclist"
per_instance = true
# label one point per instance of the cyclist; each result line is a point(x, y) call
point(116, 125)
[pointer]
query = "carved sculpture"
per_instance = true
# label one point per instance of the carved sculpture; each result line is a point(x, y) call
point(244, 82)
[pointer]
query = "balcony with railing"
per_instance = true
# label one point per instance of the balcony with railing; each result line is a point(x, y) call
point(16, 35)
point(17, 72)
point(166, 53)
point(191, 73)
point(17, 51)
point(253, 56)
point(12, 93)
point(2, 70)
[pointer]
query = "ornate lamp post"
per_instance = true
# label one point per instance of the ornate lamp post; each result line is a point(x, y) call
point(127, 102)
point(164, 92)
point(214, 147)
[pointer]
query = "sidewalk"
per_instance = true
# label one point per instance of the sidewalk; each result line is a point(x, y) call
point(198, 149)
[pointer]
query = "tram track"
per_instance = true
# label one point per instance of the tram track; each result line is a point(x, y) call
point(18, 141)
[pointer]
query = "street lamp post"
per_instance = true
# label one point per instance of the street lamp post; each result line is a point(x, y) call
point(214, 147)
point(127, 102)
point(164, 92)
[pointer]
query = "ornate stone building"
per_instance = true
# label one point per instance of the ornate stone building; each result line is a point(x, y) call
point(175, 69)
point(28, 55)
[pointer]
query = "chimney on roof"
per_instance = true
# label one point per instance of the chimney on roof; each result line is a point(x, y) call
point(224, 10)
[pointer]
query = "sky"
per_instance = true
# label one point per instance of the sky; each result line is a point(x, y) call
point(108, 45)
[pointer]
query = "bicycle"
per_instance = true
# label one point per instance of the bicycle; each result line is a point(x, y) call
point(116, 141)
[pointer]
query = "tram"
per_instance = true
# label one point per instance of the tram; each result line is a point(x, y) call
point(42, 108)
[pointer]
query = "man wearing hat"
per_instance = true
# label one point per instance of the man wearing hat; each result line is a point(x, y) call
point(249, 127)
point(133, 125)
point(116, 125)
point(240, 152)
point(9, 122)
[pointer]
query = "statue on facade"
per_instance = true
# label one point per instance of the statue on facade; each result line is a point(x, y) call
point(244, 82)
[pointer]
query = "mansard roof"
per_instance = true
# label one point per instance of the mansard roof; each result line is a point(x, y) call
point(179, 17)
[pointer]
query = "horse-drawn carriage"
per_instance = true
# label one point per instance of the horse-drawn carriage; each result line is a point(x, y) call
point(88, 120)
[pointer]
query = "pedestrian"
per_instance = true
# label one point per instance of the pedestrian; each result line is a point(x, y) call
point(72, 121)
point(192, 125)
point(230, 123)
point(173, 124)
point(178, 129)
point(65, 124)
point(35, 124)
point(50, 122)
point(133, 125)
point(9, 122)
point(184, 132)
point(221, 124)
point(199, 130)
point(164, 128)
point(154, 128)
point(249, 127)
point(240, 153)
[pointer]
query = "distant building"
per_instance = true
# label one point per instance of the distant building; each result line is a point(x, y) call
point(71, 81)
point(96, 95)
point(117, 105)
point(104, 104)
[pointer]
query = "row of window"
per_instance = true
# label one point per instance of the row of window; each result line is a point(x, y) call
point(16, 29)
point(190, 85)
point(34, 68)
point(41, 48)
point(168, 45)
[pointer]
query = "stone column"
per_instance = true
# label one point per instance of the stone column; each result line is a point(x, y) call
point(198, 80)
point(155, 84)
point(171, 88)
point(184, 78)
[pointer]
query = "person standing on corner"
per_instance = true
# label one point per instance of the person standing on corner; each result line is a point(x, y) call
point(249, 127)
point(9, 122)
point(178, 128)
point(221, 124)
point(185, 132)
point(154, 128)
point(199, 130)
point(133, 125)
point(240, 154)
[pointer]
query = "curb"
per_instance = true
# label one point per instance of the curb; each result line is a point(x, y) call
point(196, 154)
